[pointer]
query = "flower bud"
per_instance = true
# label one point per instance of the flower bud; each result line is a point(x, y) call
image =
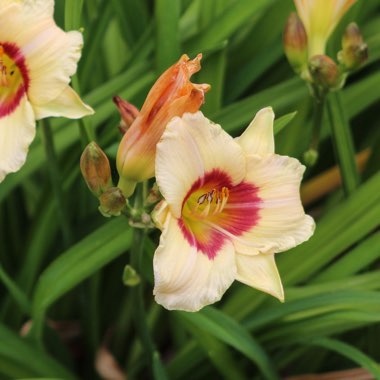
point(127, 111)
point(130, 276)
point(355, 50)
point(112, 202)
point(172, 95)
point(95, 169)
point(324, 72)
point(310, 157)
point(295, 43)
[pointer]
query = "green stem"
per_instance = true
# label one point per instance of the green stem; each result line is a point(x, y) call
point(343, 143)
point(52, 161)
point(317, 122)
point(139, 315)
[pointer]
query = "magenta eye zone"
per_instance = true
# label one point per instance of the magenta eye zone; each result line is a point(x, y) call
point(214, 211)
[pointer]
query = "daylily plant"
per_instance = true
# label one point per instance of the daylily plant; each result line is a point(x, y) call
point(37, 60)
point(229, 205)
point(172, 95)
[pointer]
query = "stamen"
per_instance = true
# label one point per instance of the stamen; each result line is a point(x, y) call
point(221, 198)
point(3, 69)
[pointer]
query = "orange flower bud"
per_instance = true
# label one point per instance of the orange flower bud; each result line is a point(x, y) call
point(172, 95)
point(324, 72)
point(95, 169)
point(112, 202)
point(127, 111)
point(295, 43)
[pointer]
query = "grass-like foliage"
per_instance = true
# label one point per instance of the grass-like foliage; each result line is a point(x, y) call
point(64, 308)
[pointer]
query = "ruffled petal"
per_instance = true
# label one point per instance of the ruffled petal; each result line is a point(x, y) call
point(52, 57)
point(282, 223)
point(261, 273)
point(51, 54)
point(17, 131)
point(67, 104)
point(191, 147)
point(186, 279)
point(258, 137)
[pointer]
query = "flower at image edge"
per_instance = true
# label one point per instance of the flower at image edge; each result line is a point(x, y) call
point(37, 60)
point(320, 17)
point(229, 205)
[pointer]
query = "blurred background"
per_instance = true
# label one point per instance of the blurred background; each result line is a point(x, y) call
point(62, 262)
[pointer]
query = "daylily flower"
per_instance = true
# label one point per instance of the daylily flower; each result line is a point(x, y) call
point(172, 95)
point(229, 205)
point(37, 60)
point(320, 18)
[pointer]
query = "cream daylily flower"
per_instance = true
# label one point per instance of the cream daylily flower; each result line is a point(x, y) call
point(320, 18)
point(37, 60)
point(230, 204)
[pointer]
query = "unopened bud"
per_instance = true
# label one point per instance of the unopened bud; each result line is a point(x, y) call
point(127, 111)
point(295, 43)
point(310, 157)
point(130, 276)
point(324, 72)
point(355, 50)
point(112, 202)
point(95, 169)
point(154, 195)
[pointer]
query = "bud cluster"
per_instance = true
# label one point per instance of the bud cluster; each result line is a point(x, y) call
point(96, 172)
point(321, 71)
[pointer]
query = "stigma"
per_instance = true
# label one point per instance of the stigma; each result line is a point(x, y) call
point(212, 202)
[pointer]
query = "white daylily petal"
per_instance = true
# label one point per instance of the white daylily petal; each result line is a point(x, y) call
point(186, 279)
point(282, 221)
point(160, 214)
point(67, 104)
point(39, 6)
point(190, 147)
point(261, 273)
point(52, 58)
point(17, 131)
point(258, 137)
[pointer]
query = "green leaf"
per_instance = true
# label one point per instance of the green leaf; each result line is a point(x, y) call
point(73, 11)
point(167, 36)
point(80, 261)
point(343, 143)
point(349, 352)
point(230, 332)
point(16, 350)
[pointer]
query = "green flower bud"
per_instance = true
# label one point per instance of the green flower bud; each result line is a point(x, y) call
point(130, 276)
point(355, 50)
point(295, 43)
point(95, 169)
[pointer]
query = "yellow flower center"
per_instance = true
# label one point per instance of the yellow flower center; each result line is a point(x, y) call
point(14, 79)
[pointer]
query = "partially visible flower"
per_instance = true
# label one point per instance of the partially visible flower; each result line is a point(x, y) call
point(37, 60)
point(230, 204)
point(320, 18)
point(172, 95)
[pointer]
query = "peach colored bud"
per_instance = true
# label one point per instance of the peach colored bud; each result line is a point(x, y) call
point(295, 43)
point(112, 202)
point(172, 95)
point(355, 50)
point(127, 111)
point(324, 71)
point(95, 169)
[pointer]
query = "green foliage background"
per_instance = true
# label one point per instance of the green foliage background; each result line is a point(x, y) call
point(62, 261)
